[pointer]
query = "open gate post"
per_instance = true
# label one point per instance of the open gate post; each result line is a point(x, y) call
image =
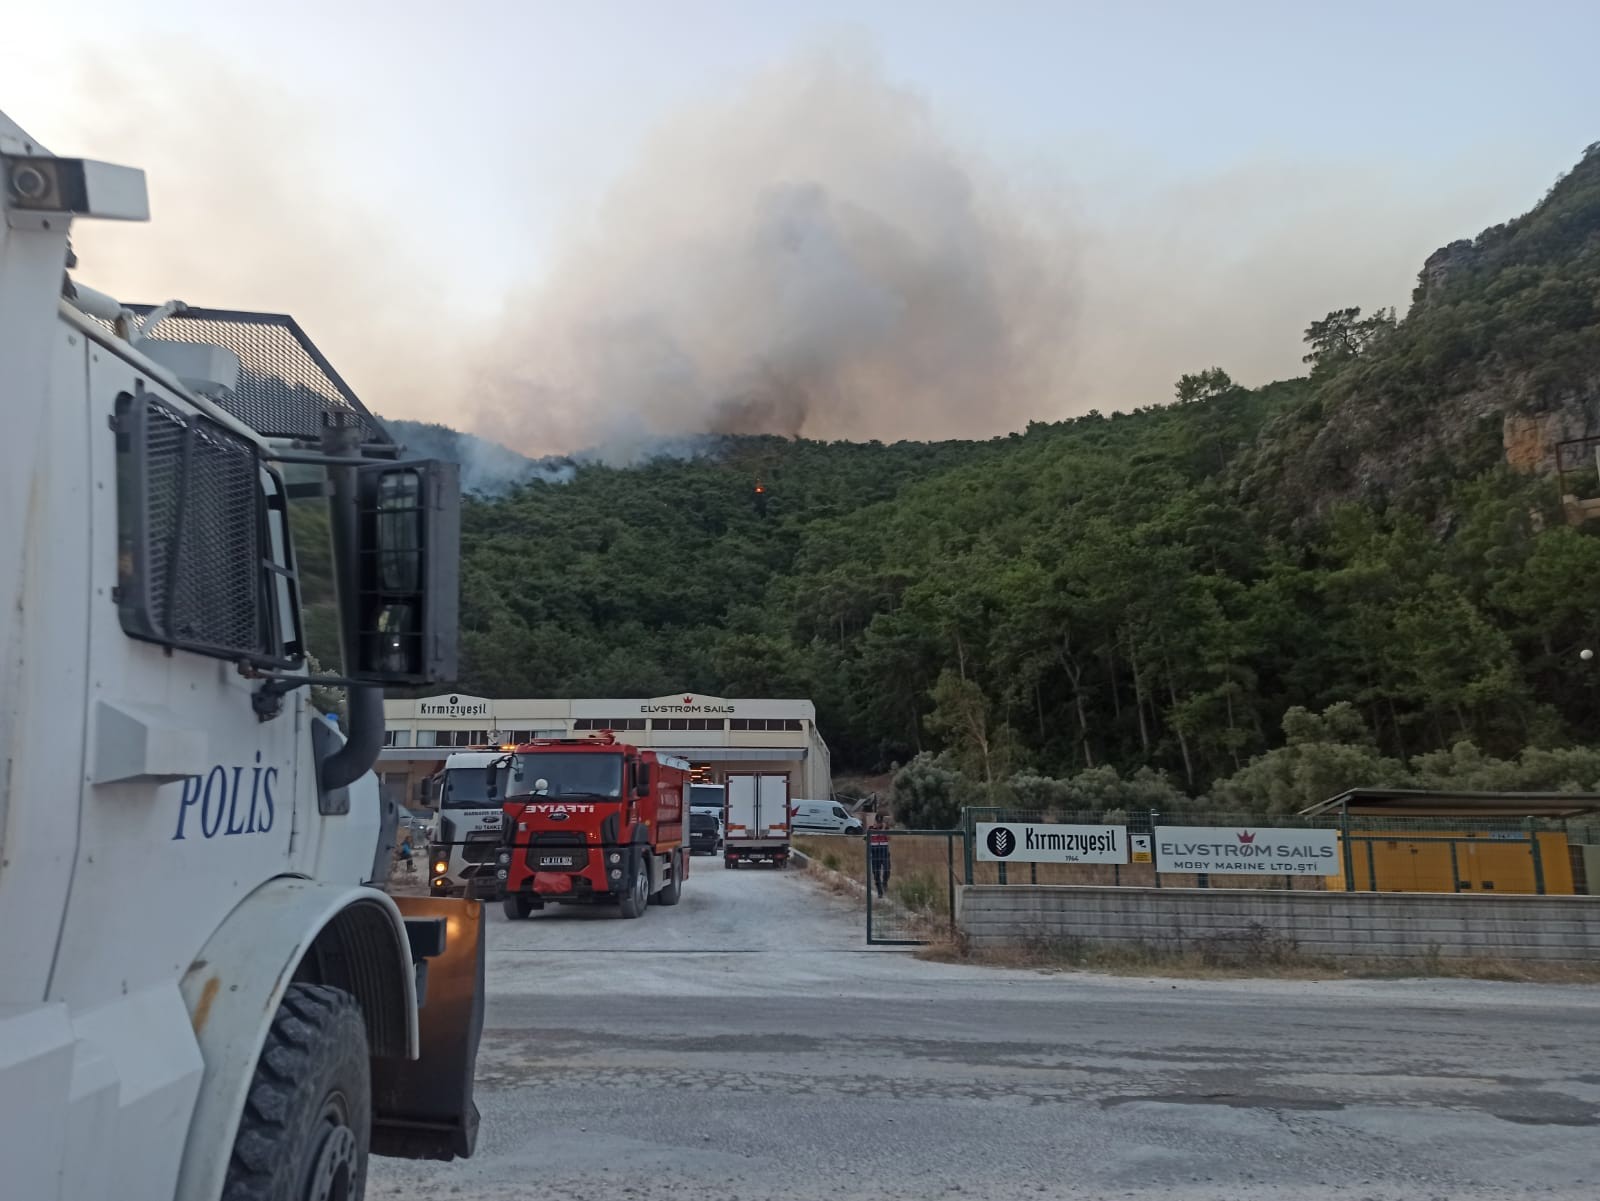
point(919, 873)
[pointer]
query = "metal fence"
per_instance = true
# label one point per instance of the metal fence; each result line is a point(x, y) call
point(909, 894)
point(911, 883)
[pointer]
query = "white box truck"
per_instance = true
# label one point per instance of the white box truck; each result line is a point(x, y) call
point(758, 819)
point(468, 826)
point(206, 992)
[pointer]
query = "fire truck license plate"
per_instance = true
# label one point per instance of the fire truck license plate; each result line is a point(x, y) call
point(555, 860)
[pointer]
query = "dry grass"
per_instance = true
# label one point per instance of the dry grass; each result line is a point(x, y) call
point(1251, 955)
point(919, 887)
point(921, 864)
point(924, 870)
point(834, 882)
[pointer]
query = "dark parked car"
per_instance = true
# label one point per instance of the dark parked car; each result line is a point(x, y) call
point(705, 834)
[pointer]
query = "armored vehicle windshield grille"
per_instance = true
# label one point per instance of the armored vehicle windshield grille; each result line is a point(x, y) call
point(286, 388)
point(192, 569)
point(204, 538)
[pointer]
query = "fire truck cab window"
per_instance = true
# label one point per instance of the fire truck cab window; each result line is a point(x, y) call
point(566, 774)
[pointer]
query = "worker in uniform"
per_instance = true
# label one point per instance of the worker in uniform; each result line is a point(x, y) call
point(878, 853)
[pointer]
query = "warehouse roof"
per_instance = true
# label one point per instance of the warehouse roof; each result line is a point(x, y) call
point(1416, 802)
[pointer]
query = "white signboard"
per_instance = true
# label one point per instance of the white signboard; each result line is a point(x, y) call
point(453, 705)
point(687, 703)
point(1257, 849)
point(1028, 842)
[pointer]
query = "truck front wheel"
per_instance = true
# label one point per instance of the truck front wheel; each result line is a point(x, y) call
point(308, 1115)
point(638, 896)
point(516, 906)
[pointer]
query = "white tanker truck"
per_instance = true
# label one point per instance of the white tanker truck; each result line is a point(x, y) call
point(205, 993)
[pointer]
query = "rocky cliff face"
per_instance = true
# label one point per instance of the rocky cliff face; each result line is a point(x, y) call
point(1530, 439)
point(1440, 268)
point(1497, 362)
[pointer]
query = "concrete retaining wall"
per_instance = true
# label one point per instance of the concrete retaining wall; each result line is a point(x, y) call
point(1374, 925)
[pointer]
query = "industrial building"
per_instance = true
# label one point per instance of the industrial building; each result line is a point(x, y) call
point(1411, 840)
point(717, 735)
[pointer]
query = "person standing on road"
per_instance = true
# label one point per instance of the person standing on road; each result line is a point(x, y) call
point(878, 853)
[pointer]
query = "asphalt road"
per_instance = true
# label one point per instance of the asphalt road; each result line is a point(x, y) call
point(747, 1044)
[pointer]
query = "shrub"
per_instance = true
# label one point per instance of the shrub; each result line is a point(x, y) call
point(929, 794)
point(916, 890)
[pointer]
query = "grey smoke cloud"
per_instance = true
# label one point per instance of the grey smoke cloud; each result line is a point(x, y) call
point(253, 206)
point(814, 258)
point(813, 255)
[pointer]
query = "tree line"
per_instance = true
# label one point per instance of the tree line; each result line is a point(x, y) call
point(1175, 600)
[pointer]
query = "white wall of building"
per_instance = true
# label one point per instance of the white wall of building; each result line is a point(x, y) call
point(719, 734)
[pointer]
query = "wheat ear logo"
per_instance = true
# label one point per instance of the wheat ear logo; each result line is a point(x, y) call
point(1001, 842)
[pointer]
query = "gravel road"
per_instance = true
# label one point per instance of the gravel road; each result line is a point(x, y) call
point(748, 1045)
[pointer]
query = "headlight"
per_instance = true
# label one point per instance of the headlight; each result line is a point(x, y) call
point(501, 873)
point(616, 874)
point(504, 859)
point(616, 857)
point(440, 868)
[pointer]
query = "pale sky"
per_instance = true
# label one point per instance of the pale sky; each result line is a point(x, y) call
point(1228, 170)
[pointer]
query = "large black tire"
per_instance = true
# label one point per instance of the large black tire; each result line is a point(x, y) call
point(638, 896)
point(674, 887)
point(308, 1115)
point(517, 907)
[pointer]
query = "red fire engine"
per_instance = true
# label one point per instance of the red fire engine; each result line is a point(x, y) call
point(593, 821)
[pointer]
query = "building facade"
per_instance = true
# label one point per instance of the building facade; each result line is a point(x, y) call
point(717, 735)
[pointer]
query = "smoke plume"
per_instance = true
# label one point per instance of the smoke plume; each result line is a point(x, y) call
point(813, 255)
point(253, 206)
point(814, 259)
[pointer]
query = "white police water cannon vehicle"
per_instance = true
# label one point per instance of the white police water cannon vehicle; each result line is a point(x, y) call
point(206, 991)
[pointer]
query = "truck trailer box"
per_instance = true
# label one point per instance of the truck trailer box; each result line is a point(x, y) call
point(758, 819)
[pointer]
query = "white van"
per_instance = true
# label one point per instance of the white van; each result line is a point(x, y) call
point(711, 798)
point(824, 817)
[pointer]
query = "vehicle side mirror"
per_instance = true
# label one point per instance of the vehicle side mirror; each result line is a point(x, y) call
point(408, 572)
point(491, 780)
point(641, 779)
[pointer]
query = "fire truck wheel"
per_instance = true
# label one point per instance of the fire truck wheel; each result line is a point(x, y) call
point(306, 1118)
point(517, 907)
point(674, 888)
point(633, 905)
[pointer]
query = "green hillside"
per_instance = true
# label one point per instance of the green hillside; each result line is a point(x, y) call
point(1498, 357)
point(1169, 593)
